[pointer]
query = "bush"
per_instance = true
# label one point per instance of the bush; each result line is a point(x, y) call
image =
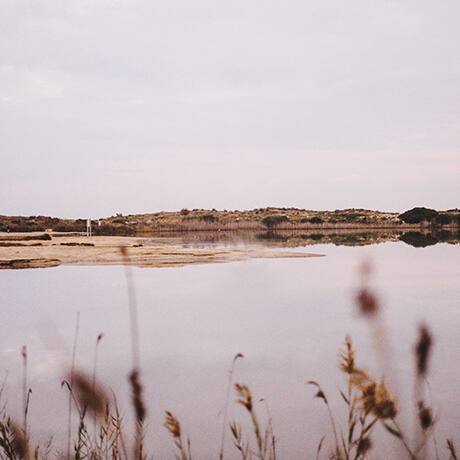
point(272, 221)
point(64, 228)
point(209, 218)
point(112, 230)
point(418, 215)
point(316, 220)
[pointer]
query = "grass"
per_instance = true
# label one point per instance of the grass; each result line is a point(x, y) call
point(368, 401)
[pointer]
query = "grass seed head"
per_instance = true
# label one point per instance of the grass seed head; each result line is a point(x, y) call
point(89, 395)
point(245, 396)
point(364, 446)
point(320, 393)
point(136, 389)
point(377, 400)
point(422, 350)
point(172, 424)
point(367, 302)
point(425, 416)
point(347, 357)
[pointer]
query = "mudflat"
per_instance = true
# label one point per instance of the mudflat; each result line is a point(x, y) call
point(33, 251)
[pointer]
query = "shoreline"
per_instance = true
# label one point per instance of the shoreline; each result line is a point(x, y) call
point(21, 251)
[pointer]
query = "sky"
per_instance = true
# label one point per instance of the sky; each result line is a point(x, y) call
point(138, 106)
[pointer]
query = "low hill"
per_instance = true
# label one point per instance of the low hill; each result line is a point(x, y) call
point(255, 219)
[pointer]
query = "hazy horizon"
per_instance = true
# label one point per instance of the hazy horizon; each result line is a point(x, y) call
point(132, 106)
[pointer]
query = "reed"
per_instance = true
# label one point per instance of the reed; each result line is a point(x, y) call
point(368, 403)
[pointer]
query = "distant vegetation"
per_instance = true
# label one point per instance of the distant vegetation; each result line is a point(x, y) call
point(255, 219)
point(272, 221)
point(421, 215)
point(357, 238)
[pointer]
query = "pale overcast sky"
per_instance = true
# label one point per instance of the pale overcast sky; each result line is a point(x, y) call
point(142, 105)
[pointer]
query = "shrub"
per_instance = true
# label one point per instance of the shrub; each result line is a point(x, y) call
point(209, 218)
point(63, 228)
point(316, 220)
point(417, 215)
point(272, 221)
point(112, 230)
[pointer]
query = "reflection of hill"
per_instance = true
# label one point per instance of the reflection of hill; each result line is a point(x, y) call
point(339, 238)
point(422, 240)
point(298, 238)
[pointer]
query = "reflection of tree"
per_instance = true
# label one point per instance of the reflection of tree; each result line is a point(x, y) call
point(419, 240)
point(271, 236)
point(297, 238)
point(422, 240)
point(344, 238)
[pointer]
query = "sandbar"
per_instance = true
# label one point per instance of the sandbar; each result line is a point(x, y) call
point(17, 252)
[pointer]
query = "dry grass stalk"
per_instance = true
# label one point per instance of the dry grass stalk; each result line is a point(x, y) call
point(19, 442)
point(451, 448)
point(238, 442)
point(423, 419)
point(137, 399)
point(245, 399)
point(369, 307)
point(134, 377)
point(368, 401)
point(172, 424)
point(72, 369)
point(88, 393)
point(98, 340)
point(25, 395)
point(321, 395)
point(422, 350)
point(227, 399)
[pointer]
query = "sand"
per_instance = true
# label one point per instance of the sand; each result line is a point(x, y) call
point(105, 250)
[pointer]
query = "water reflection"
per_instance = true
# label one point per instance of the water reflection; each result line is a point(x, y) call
point(301, 238)
point(424, 239)
point(287, 316)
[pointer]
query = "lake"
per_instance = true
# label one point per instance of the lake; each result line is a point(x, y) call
point(289, 317)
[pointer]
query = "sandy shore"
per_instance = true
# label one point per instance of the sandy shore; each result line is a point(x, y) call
point(17, 252)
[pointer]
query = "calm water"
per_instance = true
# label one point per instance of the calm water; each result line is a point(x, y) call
point(289, 317)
